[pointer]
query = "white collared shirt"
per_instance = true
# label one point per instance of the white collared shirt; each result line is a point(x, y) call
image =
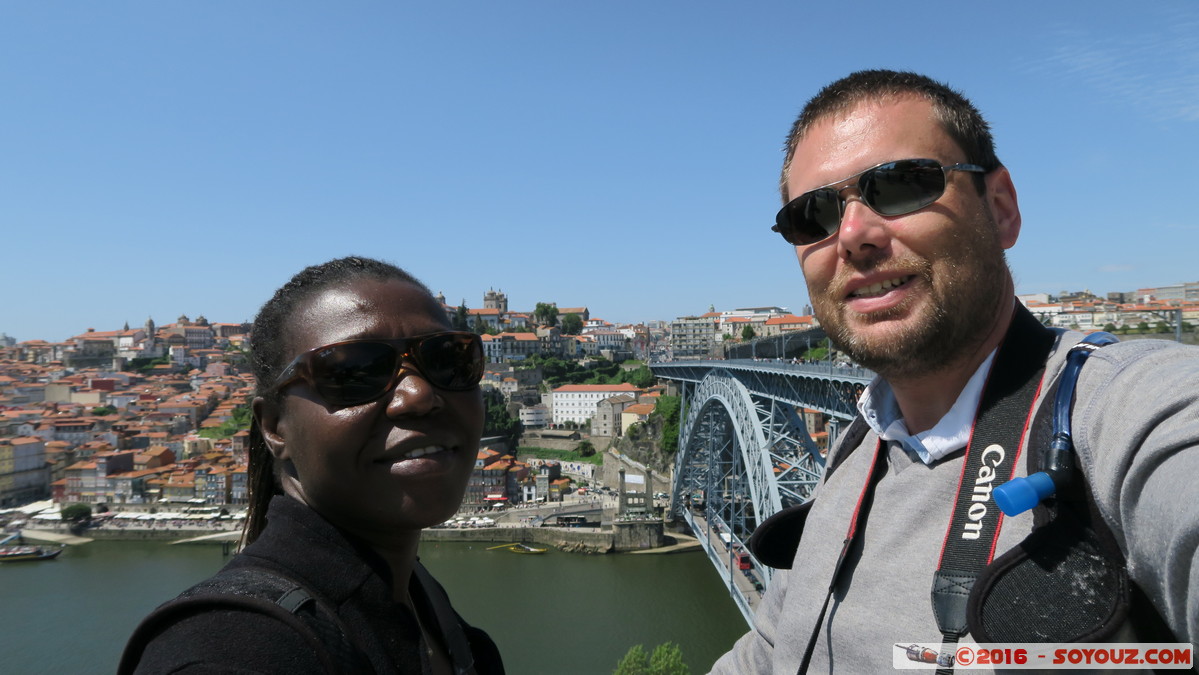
point(950, 434)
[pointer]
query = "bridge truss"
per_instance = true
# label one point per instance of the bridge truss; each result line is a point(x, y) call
point(745, 451)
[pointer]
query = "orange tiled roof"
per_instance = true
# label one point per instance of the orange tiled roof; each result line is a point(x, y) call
point(579, 388)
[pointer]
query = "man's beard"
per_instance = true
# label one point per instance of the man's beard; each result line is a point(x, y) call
point(964, 306)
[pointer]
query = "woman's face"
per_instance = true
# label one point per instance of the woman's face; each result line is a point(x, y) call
point(379, 469)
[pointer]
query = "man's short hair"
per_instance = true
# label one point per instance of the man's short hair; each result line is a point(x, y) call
point(957, 115)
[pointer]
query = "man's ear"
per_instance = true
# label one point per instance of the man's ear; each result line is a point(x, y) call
point(267, 414)
point(1001, 199)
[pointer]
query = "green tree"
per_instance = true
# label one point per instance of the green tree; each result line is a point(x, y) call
point(641, 378)
point(546, 313)
point(1161, 327)
point(634, 662)
point(144, 365)
point(77, 516)
point(479, 326)
point(461, 319)
point(604, 371)
point(667, 659)
point(1142, 327)
point(497, 421)
point(572, 324)
point(102, 410)
point(76, 512)
point(748, 333)
point(1109, 328)
point(669, 409)
point(239, 421)
point(585, 448)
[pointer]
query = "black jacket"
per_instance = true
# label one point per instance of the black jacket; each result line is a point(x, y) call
point(348, 577)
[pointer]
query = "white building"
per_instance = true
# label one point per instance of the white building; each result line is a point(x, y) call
point(577, 402)
point(535, 416)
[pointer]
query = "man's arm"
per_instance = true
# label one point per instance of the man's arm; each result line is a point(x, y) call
point(754, 652)
point(1136, 430)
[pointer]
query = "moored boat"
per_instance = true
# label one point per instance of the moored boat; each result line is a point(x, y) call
point(518, 548)
point(26, 553)
point(525, 548)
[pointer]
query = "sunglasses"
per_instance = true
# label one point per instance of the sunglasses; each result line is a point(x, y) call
point(356, 371)
point(889, 189)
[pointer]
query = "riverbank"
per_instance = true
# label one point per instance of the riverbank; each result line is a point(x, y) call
point(622, 537)
point(137, 531)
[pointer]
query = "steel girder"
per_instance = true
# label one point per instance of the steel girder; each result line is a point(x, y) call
point(723, 441)
point(830, 389)
point(772, 438)
point(744, 449)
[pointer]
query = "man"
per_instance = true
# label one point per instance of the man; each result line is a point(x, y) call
point(900, 213)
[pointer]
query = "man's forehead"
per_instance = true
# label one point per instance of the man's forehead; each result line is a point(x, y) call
point(872, 126)
point(851, 117)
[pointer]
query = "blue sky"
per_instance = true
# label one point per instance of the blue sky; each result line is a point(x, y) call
point(167, 158)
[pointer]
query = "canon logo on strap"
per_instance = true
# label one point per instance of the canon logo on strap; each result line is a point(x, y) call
point(991, 458)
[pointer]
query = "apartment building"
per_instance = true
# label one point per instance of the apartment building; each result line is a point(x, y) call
point(578, 402)
point(694, 337)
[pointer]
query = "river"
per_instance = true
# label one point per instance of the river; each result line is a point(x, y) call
point(550, 614)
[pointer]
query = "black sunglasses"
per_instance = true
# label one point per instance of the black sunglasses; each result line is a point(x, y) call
point(889, 189)
point(356, 371)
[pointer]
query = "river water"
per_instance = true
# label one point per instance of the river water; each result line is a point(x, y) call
point(550, 614)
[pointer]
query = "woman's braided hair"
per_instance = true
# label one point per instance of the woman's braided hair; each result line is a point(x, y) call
point(268, 354)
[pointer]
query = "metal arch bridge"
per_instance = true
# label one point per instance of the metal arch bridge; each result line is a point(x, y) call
point(745, 452)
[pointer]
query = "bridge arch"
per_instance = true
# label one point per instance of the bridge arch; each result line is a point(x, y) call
point(745, 451)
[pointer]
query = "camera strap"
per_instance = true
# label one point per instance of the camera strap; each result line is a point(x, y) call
point(1005, 411)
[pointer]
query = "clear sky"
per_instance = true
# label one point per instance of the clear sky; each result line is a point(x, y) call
point(166, 158)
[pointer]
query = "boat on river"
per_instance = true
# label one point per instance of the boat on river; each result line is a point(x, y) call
point(27, 553)
point(518, 547)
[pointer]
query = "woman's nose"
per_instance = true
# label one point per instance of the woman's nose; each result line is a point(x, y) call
point(413, 395)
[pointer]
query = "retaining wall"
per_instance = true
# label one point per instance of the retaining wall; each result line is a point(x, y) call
point(569, 539)
point(628, 536)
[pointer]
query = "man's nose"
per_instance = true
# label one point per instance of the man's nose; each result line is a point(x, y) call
point(862, 230)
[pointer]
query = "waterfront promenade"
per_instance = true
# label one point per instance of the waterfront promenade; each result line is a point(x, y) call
point(54, 537)
point(530, 524)
point(132, 529)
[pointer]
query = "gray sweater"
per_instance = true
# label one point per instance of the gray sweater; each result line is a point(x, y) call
point(1136, 433)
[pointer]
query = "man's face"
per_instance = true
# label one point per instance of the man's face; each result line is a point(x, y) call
point(903, 295)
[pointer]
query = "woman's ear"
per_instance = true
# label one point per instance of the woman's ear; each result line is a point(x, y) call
point(267, 414)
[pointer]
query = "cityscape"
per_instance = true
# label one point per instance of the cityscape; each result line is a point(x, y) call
point(138, 437)
point(158, 413)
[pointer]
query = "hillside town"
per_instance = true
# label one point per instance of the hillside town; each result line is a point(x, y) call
point(158, 415)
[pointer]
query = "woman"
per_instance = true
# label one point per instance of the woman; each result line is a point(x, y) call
point(367, 421)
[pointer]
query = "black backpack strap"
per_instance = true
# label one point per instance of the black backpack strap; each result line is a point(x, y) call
point(1028, 594)
point(775, 540)
point(255, 589)
point(448, 621)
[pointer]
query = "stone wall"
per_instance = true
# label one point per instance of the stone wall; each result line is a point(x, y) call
point(533, 439)
point(624, 536)
point(638, 535)
point(633, 536)
point(151, 534)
